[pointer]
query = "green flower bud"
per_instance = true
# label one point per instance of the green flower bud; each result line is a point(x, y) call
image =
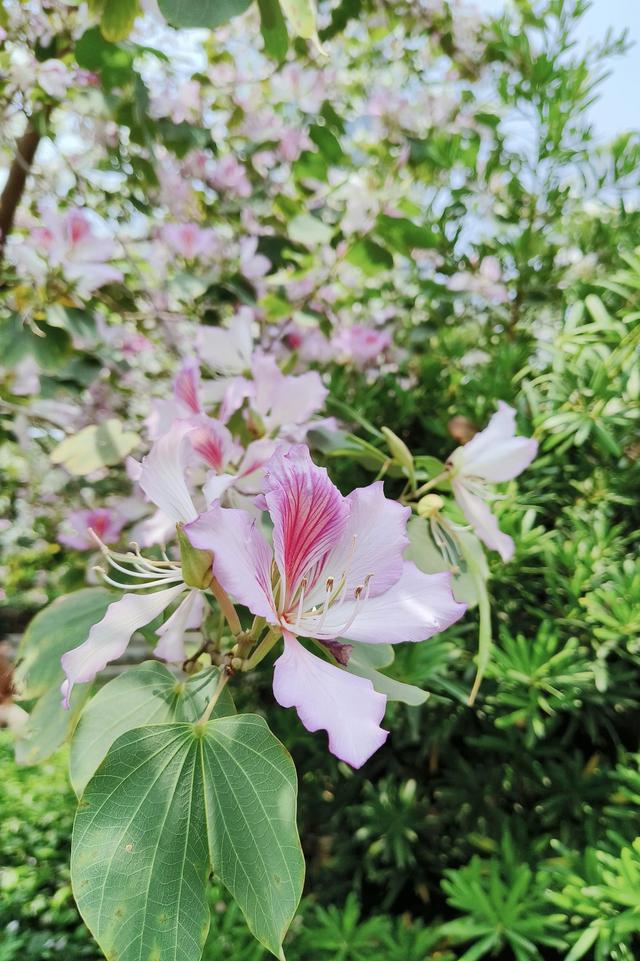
point(399, 450)
point(197, 566)
point(429, 505)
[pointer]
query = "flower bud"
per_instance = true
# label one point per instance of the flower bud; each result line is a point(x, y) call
point(197, 565)
point(399, 450)
point(429, 505)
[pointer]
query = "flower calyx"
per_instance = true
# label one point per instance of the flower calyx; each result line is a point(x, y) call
point(197, 565)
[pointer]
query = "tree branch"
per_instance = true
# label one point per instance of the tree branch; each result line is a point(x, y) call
point(14, 188)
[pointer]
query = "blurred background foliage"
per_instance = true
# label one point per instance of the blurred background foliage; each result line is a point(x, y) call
point(510, 829)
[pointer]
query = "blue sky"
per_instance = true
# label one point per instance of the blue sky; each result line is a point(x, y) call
point(618, 108)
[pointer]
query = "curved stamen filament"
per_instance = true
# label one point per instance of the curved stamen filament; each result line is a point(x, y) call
point(134, 572)
point(159, 581)
point(155, 564)
point(327, 601)
point(303, 587)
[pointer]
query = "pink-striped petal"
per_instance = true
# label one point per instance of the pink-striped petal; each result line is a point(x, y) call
point(213, 442)
point(328, 698)
point(309, 515)
point(371, 551)
point(186, 387)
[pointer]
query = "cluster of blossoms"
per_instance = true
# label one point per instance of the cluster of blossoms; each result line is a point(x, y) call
point(227, 465)
point(312, 226)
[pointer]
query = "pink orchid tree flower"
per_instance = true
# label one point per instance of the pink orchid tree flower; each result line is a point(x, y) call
point(162, 477)
point(229, 176)
point(69, 240)
point(191, 241)
point(283, 404)
point(253, 265)
point(186, 400)
point(76, 530)
point(336, 570)
point(228, 350)
point(494, 455)
point(361, 345)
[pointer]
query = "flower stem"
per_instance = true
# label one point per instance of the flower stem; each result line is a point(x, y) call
point(223, 680)
point(430, 484)
point(226, 607)
point(261, 650)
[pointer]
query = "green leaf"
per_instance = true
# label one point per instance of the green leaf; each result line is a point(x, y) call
point(309, 230)
point(327, 143)
point(201, 13)
point(586, 940)
point(112, 62)
point(117, 18)
point(169, 804)
point(91, 49)
point(310, 166)
point(49, 346)
point(363, 661)
point(369, 256)
point(49, 725)
point(146, 694)
point(403, 235)
point(273, 29)
point(485, 635)
point(301, 14)
point(426, 555)
point(55, 630)
point(62, 625)
point(94, 447)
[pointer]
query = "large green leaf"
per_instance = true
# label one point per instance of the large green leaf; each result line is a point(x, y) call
point(94, 447)
point(62, 625)
point(201, 13)
point(146, 694)
point(59, 627)
point(169, 804)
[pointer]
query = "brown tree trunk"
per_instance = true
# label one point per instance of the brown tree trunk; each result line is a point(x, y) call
point(13, 189)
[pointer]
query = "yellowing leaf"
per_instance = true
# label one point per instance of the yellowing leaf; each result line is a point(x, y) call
point(94, 447)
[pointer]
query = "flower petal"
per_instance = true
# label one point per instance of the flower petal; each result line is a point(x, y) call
point(215, 486)
point(308, 511)
point(285, 399)
point(483, 521)
point(212, 441)
point(329, 698)
point(186, 387)
point(227, 350)
point(155, 529)
point(416, 607)
point(496, 454)
point(162, 477)
point(186, 616)
point(109, 638)
point(241, 556)
point(372, 547)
